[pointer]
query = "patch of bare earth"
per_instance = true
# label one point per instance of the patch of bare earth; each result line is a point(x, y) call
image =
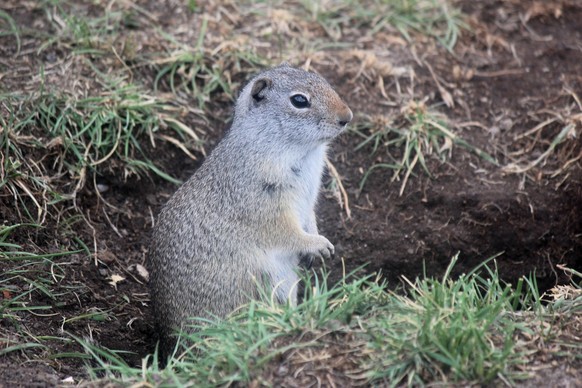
point(510, 87)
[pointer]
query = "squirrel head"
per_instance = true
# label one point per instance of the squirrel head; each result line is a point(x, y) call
point(292, 106)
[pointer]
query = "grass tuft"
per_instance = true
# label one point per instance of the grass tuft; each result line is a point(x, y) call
point(202, 71)
point(449, 330)
point(80, 33)
point(434, 18)
point(409, 139)
point(80, 137)
point(29, 284)
point(20, 178)
point(90, 131)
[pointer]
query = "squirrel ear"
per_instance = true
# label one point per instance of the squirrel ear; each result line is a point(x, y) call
point(260, 88)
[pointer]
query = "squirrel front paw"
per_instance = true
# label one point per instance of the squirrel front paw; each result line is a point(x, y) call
point(320, 247)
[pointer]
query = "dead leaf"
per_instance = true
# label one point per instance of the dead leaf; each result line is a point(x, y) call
point(116, 279)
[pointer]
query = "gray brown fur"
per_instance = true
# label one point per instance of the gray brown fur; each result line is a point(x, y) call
point(248, 212)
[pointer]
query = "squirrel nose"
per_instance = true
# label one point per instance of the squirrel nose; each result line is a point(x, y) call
point(345, 117)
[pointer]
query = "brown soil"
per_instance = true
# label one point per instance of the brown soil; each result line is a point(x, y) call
point(520, 66)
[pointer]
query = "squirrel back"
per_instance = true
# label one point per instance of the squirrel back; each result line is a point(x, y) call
point(246, 217)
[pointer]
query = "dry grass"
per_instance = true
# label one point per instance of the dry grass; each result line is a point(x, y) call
point(557, 134)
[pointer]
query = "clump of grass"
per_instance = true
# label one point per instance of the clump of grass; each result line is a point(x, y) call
point(434, 18)
point(27, 271)
point(454, 330)
point(84, 33)
point(558, 137)
point(93, 130)
point(449, 331)
point(20, 177)
point(201, 71)
point(409, 139)
point(29, 284)
point(102, 133)
point(35, 283)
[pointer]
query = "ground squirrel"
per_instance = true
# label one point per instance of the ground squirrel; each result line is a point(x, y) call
point(247, 214)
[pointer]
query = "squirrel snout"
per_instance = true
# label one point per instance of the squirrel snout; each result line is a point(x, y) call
point(345, 117)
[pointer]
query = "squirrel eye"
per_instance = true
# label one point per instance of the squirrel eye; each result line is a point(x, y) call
point(300, 101)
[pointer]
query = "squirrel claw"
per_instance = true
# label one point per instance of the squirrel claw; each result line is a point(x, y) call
point(327, 252)
point(324, 252)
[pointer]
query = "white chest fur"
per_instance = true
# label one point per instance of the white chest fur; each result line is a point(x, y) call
point(306, 176)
